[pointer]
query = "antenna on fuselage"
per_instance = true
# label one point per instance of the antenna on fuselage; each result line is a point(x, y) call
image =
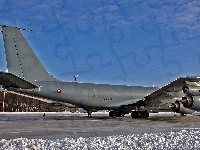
point(75, 77)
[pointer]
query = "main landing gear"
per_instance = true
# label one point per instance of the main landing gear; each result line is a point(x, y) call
point(134, 114)
point(114, 114)
point(140, 114)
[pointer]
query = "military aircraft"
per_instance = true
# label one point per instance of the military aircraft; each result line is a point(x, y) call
point(27, 76)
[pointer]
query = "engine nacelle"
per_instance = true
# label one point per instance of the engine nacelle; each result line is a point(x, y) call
point(191, 102)
point(191, 90)
point(179, 108)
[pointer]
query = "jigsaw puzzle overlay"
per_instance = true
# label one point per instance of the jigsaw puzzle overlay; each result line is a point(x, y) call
point(140, 42)
point(116, 42)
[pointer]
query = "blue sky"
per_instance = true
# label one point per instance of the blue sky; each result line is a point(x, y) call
point(136, 42)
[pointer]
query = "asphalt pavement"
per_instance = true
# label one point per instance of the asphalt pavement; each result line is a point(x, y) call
point(62, 125)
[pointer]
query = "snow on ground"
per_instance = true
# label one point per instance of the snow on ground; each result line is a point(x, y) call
point(184, 140)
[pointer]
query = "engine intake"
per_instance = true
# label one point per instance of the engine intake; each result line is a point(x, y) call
point(191, 90)
point(191, 102)
point(179, 108)
point(175, 106)
point(187, 101)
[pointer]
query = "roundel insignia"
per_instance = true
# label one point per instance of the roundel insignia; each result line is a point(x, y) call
point(58, 91)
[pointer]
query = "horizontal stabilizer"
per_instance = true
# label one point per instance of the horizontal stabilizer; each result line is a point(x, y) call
point(10, 80)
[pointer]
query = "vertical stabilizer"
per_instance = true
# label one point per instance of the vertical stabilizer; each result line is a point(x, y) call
point(21, 60)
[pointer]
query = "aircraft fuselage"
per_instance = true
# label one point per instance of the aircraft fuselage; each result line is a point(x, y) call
point(91, 95)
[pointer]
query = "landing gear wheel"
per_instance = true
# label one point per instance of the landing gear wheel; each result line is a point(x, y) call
point(183, 114)
point(118, 114)
point(112, 114)
point(139, 114)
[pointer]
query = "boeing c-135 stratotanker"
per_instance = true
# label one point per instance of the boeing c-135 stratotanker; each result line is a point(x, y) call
point(27, 75)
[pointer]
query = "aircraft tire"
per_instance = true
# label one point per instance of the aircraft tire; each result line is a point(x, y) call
point(139, 114)
point(112, 114)
point(118, 114)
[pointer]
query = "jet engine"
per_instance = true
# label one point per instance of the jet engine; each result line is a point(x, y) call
point(179, 108)
point(191, 102)
point(191, 90)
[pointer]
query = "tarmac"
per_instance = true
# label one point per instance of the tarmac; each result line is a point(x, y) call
point(74, 125)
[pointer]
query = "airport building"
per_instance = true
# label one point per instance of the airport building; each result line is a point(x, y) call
point(16, 103)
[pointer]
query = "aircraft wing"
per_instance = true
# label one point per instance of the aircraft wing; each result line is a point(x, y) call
point(161, 97)
point(8, 79)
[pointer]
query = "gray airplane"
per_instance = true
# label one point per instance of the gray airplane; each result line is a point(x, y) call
point(26, 76)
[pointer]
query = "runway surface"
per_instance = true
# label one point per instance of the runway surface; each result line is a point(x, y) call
point(74, 125)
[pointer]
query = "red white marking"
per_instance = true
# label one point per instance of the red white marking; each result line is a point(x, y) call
point(58, 91)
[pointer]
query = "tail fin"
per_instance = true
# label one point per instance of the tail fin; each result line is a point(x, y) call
point(21, 60)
